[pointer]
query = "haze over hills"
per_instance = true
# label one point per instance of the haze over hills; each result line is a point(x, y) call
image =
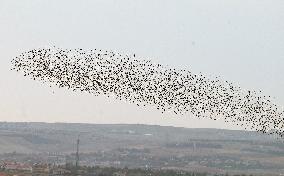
point(48, 137)
point(137, 145)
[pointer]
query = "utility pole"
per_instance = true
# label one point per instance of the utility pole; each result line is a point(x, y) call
point(77, 152)
point(194, 146)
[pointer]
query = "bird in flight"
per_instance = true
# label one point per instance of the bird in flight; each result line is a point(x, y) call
point(143, 82)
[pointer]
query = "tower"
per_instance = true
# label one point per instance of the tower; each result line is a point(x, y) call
point(194, 146)
point(77, 151)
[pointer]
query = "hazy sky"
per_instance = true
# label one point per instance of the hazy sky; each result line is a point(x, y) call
point(241, 41)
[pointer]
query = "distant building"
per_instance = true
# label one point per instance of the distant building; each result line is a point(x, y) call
point(60, 171)
point(40, 170)
point(17, 166)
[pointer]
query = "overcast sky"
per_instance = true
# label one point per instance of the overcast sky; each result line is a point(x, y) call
point(241, 41)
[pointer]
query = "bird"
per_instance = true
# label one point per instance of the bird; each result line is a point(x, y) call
point(143, 82)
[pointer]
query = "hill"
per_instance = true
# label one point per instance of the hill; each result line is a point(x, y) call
point(144, 146)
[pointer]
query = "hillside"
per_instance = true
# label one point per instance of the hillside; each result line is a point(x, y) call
point(209, 150)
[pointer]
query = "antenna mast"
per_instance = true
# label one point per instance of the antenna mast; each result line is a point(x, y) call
point(77, 152)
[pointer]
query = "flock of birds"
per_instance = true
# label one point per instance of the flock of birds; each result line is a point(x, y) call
point(143, 82)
